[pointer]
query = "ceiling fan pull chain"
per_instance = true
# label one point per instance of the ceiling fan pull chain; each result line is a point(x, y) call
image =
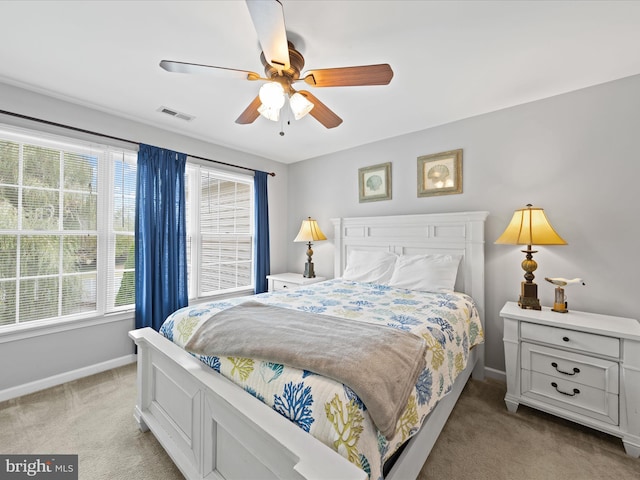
point(282, 121)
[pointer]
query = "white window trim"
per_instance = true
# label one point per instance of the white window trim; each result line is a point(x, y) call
point(36, 328)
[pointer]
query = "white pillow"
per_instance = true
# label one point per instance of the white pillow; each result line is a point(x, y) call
point(427, 273)
point(369, 266)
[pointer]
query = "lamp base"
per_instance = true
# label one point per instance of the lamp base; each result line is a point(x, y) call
point(308, 270)
point(529, 296)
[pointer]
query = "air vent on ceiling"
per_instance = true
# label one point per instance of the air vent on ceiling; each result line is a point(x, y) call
point(176, 114)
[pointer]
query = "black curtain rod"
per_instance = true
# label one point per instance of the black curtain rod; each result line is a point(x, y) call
point(82, 130)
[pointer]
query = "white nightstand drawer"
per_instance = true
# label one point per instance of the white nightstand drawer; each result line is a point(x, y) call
point(281, 285)
point(592, 371)
point(290, 281)
point(582, 399)
point(586, 342)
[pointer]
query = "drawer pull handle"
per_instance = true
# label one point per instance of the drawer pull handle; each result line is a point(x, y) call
point(575, 369)
point(575, 390)
point(565, 339)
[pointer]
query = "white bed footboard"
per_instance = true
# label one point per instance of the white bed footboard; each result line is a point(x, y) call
point(213, 429)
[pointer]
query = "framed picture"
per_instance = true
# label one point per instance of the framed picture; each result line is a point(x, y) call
point(440, 173)
point(375, 182)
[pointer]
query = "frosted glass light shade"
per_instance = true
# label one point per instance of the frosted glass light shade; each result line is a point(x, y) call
point(300, 106)
point(309, 232)
point(272, 95)
point(530, 226)
point(272, 114)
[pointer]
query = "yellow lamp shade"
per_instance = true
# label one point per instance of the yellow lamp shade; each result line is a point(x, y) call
point(309, 232)
point(530, 226)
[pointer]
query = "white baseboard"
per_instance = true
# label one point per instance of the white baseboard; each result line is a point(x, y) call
point(61, 378)
point(495, 374)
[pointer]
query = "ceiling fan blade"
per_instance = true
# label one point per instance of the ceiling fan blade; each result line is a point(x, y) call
point(183, 67)
point(350, 76)
point(250, 113)
point(321, 112)
point(268, 20)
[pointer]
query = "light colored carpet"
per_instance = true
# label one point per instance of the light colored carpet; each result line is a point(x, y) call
point(483, 441)
point(93, 417)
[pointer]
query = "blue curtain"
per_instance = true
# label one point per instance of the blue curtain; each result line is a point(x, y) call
point(160, 245)
point(261, 253)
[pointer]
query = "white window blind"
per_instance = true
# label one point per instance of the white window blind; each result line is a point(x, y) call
point(220, 231)
point(123, 220)
point(57, 235)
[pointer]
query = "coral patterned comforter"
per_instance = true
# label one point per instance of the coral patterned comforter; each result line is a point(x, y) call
point(328, 410)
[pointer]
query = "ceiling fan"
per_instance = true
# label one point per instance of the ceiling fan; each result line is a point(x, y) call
point(283, 65)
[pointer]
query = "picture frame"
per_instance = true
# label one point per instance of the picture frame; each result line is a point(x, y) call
point(374, 183)
point(440, 173)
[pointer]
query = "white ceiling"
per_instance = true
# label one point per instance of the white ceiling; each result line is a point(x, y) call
point(451, 60)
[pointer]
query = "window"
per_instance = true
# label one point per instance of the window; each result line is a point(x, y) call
point(122, 294)
point(67, 222)
point(220, 231)
point(66, 228)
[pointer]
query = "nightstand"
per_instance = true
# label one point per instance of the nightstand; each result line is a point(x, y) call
point(289, 281)
point(579, 366)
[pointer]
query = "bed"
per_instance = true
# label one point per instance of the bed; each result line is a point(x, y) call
point(213, 428)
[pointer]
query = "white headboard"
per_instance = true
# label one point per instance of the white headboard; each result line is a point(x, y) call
point(459, 233)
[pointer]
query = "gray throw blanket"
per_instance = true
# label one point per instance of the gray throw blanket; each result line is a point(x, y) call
point(379, 363)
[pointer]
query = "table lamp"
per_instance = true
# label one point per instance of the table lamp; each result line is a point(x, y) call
point(529, 226)
point(309, 232)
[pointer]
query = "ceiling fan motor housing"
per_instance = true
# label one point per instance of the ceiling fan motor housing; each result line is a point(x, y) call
point(288, 76)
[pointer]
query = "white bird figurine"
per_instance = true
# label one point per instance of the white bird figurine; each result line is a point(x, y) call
point(561, 282)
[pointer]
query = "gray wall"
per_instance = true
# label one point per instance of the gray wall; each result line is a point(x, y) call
point(575, 155)
point(31, 356)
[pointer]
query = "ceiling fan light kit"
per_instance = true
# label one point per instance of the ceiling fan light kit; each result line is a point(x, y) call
point(270, 113)
point(300, 106)
point(272, 96)
point(283, 64)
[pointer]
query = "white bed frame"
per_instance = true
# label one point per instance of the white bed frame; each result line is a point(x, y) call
point(213, 429)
